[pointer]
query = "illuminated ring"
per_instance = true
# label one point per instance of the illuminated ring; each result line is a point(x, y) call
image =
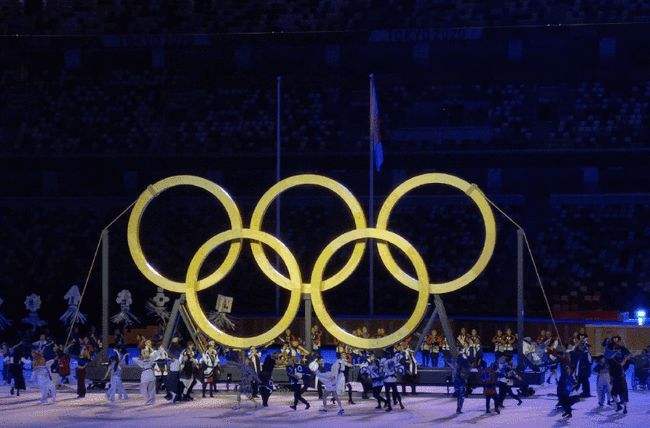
point(311, 180)
point(423, 289)
point(194, 306)
point(134, 231)
point(488, 220)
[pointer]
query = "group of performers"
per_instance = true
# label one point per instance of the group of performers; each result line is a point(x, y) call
point(181, 370)
point(178, 369)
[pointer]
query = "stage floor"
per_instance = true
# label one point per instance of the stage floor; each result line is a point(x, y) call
point(421, 410)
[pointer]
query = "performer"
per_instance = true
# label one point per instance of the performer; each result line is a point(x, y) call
point(160, 367)
point(114, 373)
point(436, 344)
point(411, 370)
point(364, 377)
point(499, 344)
point(489, 379)
point(266, 379)
point(505, 380)
point(147, 378)
point(475, 350)
point(340, 366)
point(82, 362)
point(316, 337)
point(425, 349)
point(391, 366)
point(210, 369)
point(583, 367)
point(319, 385)
point(552, 355)
point(188, 364)
point(16, 365)
point(463, 346)
point(173, 384)
point(330, 383)
point(446, 351)
point(248, 377)
point(565, 386)
point(618, 357)
point(461, 373)
point(54, 368)
point(40, 344)
point(373, 371)
point(509, 340)
point(295, 372)
point(41, 374)
point(254, 359)
point(603, 381)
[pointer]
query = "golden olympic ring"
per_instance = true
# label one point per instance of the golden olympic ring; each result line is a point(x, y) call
point(488, 221)
point(423, 290)
point(294, 282)
point(315, 180)
point(192, 285)
point(134, 231)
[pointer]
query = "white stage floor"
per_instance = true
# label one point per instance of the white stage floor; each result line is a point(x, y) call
point(421, 410)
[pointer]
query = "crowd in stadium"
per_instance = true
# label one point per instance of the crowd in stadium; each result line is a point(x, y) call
point(159, 112)
point(196, 16)
point(565, 245)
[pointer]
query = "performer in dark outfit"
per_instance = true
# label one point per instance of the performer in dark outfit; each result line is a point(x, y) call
point(294, 372)
point(426, 350)
point(505, 381)
point(461, 374)
point(16, 371)
point(255, 363)
point(373, 372)
point(390, 364)
point(618, 357)
point(266, 381)
point(188, 366)
point(565, 386)
point(489, 379)
point(84, 359)
point(436, 345)
point(583, 369)
point(411, 371)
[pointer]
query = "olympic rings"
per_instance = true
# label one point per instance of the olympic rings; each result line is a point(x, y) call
point(313, 180)
point(134, 231)
point(317, 298)
point(488, 221)
point(192, 285)
point(294, 282)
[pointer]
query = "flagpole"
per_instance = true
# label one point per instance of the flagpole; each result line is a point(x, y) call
point(278, 153)
point(371, 208)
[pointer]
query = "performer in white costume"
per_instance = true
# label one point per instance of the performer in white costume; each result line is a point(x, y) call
point(41, 374)
point(330, 385)
point(114, 373)
point(147, 378)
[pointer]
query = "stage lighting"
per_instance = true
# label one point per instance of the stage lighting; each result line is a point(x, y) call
point(640, 316)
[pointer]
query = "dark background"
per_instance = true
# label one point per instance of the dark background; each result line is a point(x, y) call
point(546, 109)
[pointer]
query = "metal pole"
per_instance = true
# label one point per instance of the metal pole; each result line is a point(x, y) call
point(278, 153)
point(446, 327)
point(105, 289)
point(371, 212)
point(307, 300)
point(427, 328)
point(520, 294)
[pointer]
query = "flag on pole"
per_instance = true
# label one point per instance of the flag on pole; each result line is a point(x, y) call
point(375, 134)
